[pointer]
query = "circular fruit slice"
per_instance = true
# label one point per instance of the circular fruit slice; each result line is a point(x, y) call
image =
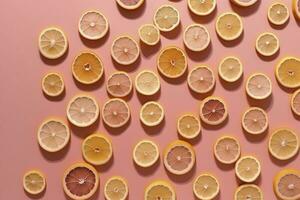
point(130, 4)
point(145, 153)
point(259, 86)
point(244, 3)
point(201, 79)
point(296, 9)
point(202, 7)
point(147, 83)
point(229, 26)
point(34, 182)
point(248, 192)
point(283, 144)
point(116, 188)
point(125, 50)
point(53, 84)
point(196, 37)
point(179, 157)
point(188, 126)
point(295, 103)
point(166, 18)
point(227, 150)
point(206, 187)
point(115, 113)
point(119, 84)
point(255, 121)
point(82, 110)
point(159, 189)
point(278, 13)
point(80, 181)
point(247, 169)
point(93, 25)
point(87, 68)
point(267, 44)
point(53, 135)
point(149, 34)
point(172, 62)
point(288, 72)
point(230, 69)
point(152, 114)
point(97, 149)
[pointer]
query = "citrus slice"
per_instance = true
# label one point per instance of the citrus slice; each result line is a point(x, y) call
point(115, 113)
point(206, 187)
point(227, 150)
point(147, 83)
point(119, 84)
point(93, 25)
point(247, 169)
point(80, 181)
point(152, 113)
point(296, 9)
point(213, 110)
point(53, 43)
point(179, 157)
point(53, 84)
point(172, 62)
point(97, 149)
point(295, 103)
point(201, 79)
point(259, 86)
point(166, 18)
point(288, 72)
point(196, 37)
point(247, 192)
point(255, 121)
point(149, 34)
point(116, 189)
point(159, 189)
point(82, 110)
point(130, 4)
point(53, 135)
point(267, 44)
point(34, 182)
point(230, 69)
point(145, 153)
point(244, 3)
point(229, 26)
point(278, 13)
point(283, 144)
point(125, 50)
point(188, 126)
point(87, 68)
point(202, 7)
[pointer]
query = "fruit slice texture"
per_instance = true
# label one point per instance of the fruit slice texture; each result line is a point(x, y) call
point(188, 126)
point(34, 182)
point(244, 3)
point(145, 153)
point(267, 44)
point(248, 191)
point(130, 4)
point(147, 83)
point(196, 37)
point(247, 169)
point(255, 121)
point(227, 150)
point(119, 84)
point(201, 79)
point(278, 13)
point(202, 8)
point(259, 86)
point(159, 189)
point(166, 18)
point(229, 26)
point(296, 9)
point(149, 34)
point(116, 188)
point(206, 187)
point(152, 113)
point(295, 103)
point(288, 72)
point(53, 84)
point(230, 69)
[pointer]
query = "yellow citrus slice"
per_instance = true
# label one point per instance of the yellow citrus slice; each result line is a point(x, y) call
point(296, 9)
point(196, 37)
point(230, 69)
point(34, 182)
point(82, 110)
point(53, 84)
point(149, 34)
point(147, 83)
point(119, 84)
point(229, 26)
point(247, 192)
point(267, 44)
point(93, 25)
point(80, 181)
point(244, 3)
point(201, 79)
point(53, 135)
point(202, 7)
point(179, 157)
point(255, 121)
point(188, 126)
point(116, 188)
point(159, 189)
point(288, 72)
point(259, 86)
point(115, 113)
point(145, 153)
point(166, 18)
point(278, 13)
point(206, 187)
point(227, 150)
point(295, 103)
point(130, 4)
point(152, 113)
point(247, 169)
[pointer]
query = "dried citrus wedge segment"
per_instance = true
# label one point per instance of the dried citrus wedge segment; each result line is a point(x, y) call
point(295, 103)
point(255, 121)
point(152, 113)
point(149, 34)
point(229, 26)
point(288, 72)
point(166, 18)
point(296, 9)
point(130, 4)
point(247, 169)
point(147, 83)
point(278, 13)
point(206, 187)
point(259, 86)
point(159, 189)
point(119, 84)
point(227, 150)
point(202, 7)
point(196, 37)
point(145, 153)
point(188, 126)
point(53, 84)
point(248, 191)
point(116, 188)
point(230, 69)
point(34, 182)
point(244, 3)
point(201, 79)
point(267, 44)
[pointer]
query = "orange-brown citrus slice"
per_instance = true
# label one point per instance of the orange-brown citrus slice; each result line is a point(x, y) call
point(288, 72)
point(119, 84)
point(159, 189)
point(227, 150)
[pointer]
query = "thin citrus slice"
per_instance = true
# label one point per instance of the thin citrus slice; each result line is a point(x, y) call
point(166, 18)
point(53, 84)
point(130, 4)
point(53, 135)
point(34, 182)
point(267, 44)
point(295, 103)
point(227, 150)
point(206, 187)
point(152, 113)
point(201, 79)
point(230, 69)
point(116, 188)
point(244, 3)
point(255, 121)
point(278, 13)
point(288, 72)
point(202, 7)
point(145, 153)
point(296, 9)
point(80, 181)
point(149, 34)
point(159, 189)
point(259, 86)
point(119, 84)
point(179, 157)
point(188, 126)
point(93, 25)
point(248, 192)
point(196, 37)
point(247, 169)
point(229, 26)
point(115, 113)
point(82, 110)
point(147, 83)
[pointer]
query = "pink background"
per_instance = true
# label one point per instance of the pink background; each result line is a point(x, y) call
point(24, 106)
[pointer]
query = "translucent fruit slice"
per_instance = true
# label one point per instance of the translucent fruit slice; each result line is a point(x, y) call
point(152, 113)
point(247, 169)
point(296, 9)
point(130, 4)
point(53, 135)
point(196, 37)
point(34, 182)
point(229, 26)
point(188, 126)
point(166, 18)
point(147, 83)
point(227, 150)
point(149, 34)
point(288, 72)
point(247, 192)
point(145, 153)
point(230, 69)
point(206, 187)
point(201, 79)
point(259, 86)
point(116, 188)
point(159, 189)
point(278, 13)
point(295, 103)
point(202, 7)
point(267, 44)
point(255, 121)
point(80, 181)
point(53, 84)
point(244, 3)
point(119, 84)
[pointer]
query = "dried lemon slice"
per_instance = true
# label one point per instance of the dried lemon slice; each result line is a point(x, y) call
point(202, 7)
point(188, 126)
point(255, 121)
point(295, 103)
point(34, 182)
point(116, 188)
point(145, 153)
point(201, 79)
point(159, 189)
point(229, 26)
point(278, 13)
point(230, 69)
point(288, 72)
point(119, 84)
point(206, 187)
point(152, 113)
point(166, 18)
point(247, 169)
point(53, 84)
point(149, 34)
point(147, 83)
point(227, 150)
point(244, 3)
point(196, 37)
point(130, 4)
point(267, 44)
point(296, 9)
point(247, 192)
point(259, 86)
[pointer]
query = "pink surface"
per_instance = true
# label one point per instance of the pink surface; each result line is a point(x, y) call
point(24, 106)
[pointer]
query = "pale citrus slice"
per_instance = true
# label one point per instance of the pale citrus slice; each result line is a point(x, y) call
point(93, 25)
point(206, 187)
point(179, 157)
point(34, 182)
point(53, 135)
point(295, 103)
point(119, 84)
point(159, 189)
point(229, 26)
point(202, 7)
point(53, 43)
point(267, 44)
point(82, 110)
point(130, 4)
point(248, 192)
point(288, 72)
point(97, 149)
point(196, 37)
point(53, 84)
point(80, 181)
point(188, 126)
point(149, 34)
point(247, 169)
point(145, 153)
point(278, 13)
point(125, 50)
point(259, 86)
point(166, 18)
point(255, 121)
point(147, 83)
point(244, 3)
point(115, 113)
point(227, 150)
point(116, 188)
point(230, 69)
point(283, 144)
point(152, 113)
point(87, 68)
point(201, 79)
point(296, 9)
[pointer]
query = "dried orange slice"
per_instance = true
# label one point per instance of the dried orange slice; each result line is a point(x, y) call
point(278, 13)
point(116, 188)
point(188, 126)
point(149, 34)
point(259, 86)
point(247, 169)
point(34, 182)
point(227, 150)
point(202, 7)
point(267, 44)
point(230, 69)
point(244, 3)
point(296, 9)
point(130, 4)
point(295, 103)
point(248, 191)
point(53, 84)
point(159, 189)
point(152, 114)
point(196, 37)
point(206, 187)
point(255, 121)
point(119, 84)
point(147, 83)
point(229, 26)
point(201, 79)
point(166, 18)
point(80, 181)
point(145, 153)
point(288, 72)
